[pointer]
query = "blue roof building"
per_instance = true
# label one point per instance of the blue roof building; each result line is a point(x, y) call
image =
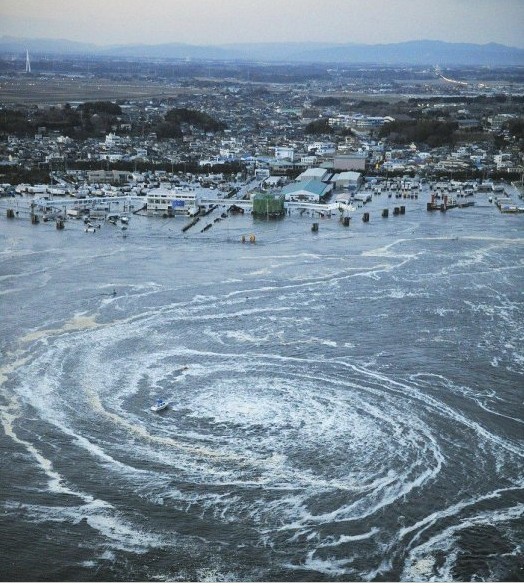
point(312, 190)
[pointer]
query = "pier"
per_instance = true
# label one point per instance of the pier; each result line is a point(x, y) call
point(21, 207)
point(129, 203)
point(247, 205)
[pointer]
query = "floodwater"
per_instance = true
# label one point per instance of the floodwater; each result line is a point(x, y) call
point(343, 405)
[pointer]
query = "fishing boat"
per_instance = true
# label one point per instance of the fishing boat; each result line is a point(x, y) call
point(159, 405)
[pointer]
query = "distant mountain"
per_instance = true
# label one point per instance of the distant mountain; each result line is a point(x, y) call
point(421, 53)
point(169, 51)
point(408, 53)
point(46, 46)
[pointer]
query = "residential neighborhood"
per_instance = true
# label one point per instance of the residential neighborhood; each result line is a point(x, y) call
point(288, 135)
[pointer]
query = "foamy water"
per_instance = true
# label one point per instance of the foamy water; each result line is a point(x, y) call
point(345, 406)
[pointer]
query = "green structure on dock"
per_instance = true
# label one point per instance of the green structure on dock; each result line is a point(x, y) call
point(268, 205)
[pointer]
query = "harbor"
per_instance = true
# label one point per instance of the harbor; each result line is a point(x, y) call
point(205, 208)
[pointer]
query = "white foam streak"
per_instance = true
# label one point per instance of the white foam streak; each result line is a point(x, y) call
point(330, 567)
point(444, 541)
point(101, 517)
point(332, 542)
point(449, 412)
point(55, 482)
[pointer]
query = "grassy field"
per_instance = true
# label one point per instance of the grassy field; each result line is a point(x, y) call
point(39, 90)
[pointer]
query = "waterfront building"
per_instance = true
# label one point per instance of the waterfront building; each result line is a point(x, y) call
point(170, 202)
point(350, 162)
point(310, 190)
point(317, 173)
point(347, 180)
point(268, 205)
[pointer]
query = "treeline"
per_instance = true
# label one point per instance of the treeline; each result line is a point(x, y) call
point(516, 127)
point(322, 126)
point(231, 167)
point(93, 119)
point(87, 120)
point(91, 108)
point(481, 99)
point(433, 133)
point(14, 174)
point(15, 122)
point(327, 101)
point(172, 125)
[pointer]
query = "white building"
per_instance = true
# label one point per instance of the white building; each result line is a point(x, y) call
point(274, 181)
point(284, 153)
point(308, 160)
point(112, 140)
point(501, 158)
point(310, 190)
point(112, 157)
point(170, 202)
point(317, 173)
point(322, 148)
point(347, 180)
point(341, 120)
point(350, 162)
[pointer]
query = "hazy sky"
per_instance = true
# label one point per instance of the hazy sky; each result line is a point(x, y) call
point(229, 21)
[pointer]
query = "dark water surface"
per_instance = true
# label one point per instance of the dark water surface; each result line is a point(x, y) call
point(351, 407)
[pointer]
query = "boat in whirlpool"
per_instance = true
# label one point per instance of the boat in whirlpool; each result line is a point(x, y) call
point(159, 405)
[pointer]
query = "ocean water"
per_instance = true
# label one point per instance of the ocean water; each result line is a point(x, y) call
point(343, 405)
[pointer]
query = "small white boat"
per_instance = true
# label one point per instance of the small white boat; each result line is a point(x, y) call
point(159, 405)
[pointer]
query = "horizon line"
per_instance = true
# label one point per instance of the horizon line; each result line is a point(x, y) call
point(226, 44)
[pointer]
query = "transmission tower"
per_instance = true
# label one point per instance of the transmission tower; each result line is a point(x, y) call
point(27, 62)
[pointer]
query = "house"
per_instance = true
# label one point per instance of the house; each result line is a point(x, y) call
point(273, 181)
point(322, 148)
point(103, 176)
point(308, 160)
point(262, 174)
point(469, 124)
point(284, 153)
point(111, 140)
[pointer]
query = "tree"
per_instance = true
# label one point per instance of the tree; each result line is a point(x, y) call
point(434, 133)
point(320, 126)
point(91, 108)
point(516, 127)
point(179, 116)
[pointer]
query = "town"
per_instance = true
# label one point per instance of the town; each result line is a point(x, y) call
point(177, 134)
